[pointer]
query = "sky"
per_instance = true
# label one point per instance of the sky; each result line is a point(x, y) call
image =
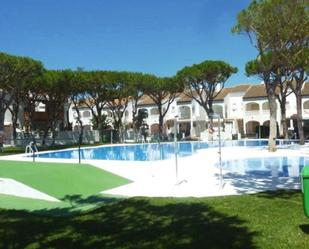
point(150, 36)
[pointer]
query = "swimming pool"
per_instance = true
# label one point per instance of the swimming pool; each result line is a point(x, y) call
point(149, 152)
point(266, 166)
point(138, 152)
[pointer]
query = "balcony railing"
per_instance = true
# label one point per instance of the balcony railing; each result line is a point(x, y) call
point(253, 113)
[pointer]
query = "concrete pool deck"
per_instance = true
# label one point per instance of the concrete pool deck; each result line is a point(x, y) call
point(197, 174)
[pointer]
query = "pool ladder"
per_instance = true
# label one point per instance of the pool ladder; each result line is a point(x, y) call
point(31, 148)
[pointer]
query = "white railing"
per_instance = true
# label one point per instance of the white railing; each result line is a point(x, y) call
point(252, 113)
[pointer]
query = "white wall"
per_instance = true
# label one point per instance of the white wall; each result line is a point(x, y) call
point(234, 105)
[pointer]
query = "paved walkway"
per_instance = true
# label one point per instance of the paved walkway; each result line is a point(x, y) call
point(197, 175)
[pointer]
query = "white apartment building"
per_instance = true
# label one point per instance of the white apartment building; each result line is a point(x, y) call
point(243, 111)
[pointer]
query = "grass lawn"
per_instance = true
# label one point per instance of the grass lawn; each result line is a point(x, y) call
point(72, 183)
point(267, 220)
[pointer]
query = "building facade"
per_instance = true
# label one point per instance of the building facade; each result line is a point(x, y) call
point(241, 110)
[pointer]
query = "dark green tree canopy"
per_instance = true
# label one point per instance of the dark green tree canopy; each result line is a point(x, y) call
point(14, 70)
point(18, 75)
point(162, 91)
point(204, 81)
point(279, 29)
point(277, 26)
point(205, 73)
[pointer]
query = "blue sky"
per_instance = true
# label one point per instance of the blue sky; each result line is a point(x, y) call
point(150, 36)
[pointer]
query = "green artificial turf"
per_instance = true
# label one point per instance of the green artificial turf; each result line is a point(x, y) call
point(72, 183)
point(15, 202)
point(267, 220)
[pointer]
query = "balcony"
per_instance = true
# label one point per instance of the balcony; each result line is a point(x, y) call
point(185, 113)
point(252, 113)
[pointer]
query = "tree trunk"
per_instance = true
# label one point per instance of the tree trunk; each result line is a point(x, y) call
point(14, 121)
point(134, 119)
point(300, 118)
point(2, 135)
point(2, 113)
point(210, 115)
point(81, 134)
point(14, 132)
point(284, 125)
point(53, 131)
point(135, 130)
point(81, 127)
point(100, 127)
point(2, 110)
point(44, 136)
point(273, 119)
point(161, 126)
point(98, 118)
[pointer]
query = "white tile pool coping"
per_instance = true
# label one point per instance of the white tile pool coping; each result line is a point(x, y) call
point(197, 174)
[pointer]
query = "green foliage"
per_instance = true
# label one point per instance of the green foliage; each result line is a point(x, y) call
point(279, 29)
point(277, 26)
point(118, 96)
point(15, 69)
point(262, 65)
point(140, 119)
point(55, 96)
point(17, 76)
point(104, 122)
point(204, 81)
point(158, 88)
point(163, 92)
point(136, 82)
point(206, 73)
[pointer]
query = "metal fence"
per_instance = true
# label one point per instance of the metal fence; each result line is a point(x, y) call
point(61, 138)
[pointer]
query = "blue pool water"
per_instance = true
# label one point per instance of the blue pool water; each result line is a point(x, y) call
point(139, 152)
point(267, 166)
point(148, 152)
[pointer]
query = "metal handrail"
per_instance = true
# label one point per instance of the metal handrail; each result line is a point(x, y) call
point(31, 148)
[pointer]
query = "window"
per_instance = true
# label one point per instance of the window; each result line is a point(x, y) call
point(40, 107)
point(184, 112)
point(265, 106)
point(234, 107)
point(143, 110)
point(218, 109)
point(154, 111)
point(252, 106)
point(306, 105)
point(86, 114)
